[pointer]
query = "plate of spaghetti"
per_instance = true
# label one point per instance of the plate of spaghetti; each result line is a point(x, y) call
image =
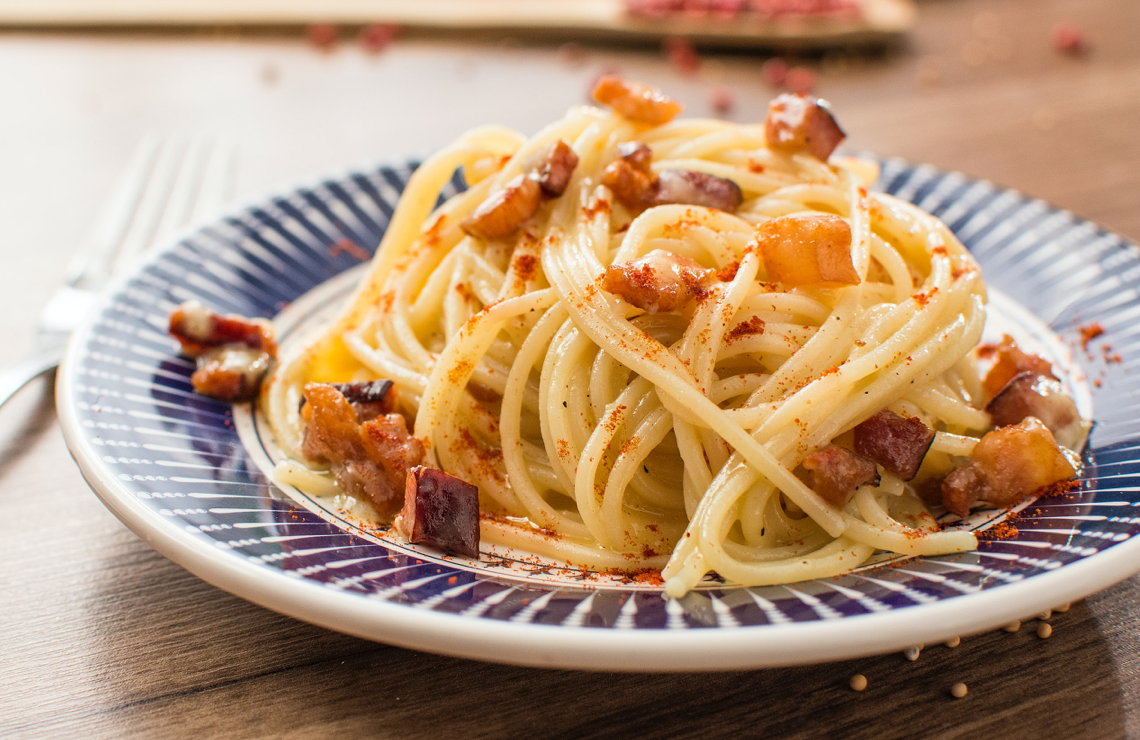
point(638, 392)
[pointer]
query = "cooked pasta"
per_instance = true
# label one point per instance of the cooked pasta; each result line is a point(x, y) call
point(612, 435)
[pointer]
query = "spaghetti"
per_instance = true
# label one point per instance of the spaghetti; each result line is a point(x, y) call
point(614, 432)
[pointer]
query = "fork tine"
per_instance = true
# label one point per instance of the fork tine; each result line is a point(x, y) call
point(184, 193)
point(217, 181)
point(153, 204)
point(91, 265)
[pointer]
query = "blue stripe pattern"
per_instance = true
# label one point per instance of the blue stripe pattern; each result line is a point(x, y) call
point(180, 454)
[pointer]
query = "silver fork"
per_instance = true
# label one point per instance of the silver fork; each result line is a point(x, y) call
point(170, 182)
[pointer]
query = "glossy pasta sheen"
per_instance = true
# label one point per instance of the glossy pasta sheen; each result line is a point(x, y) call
point(629, 440)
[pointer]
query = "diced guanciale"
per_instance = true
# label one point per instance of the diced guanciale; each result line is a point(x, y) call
point(659, 281)
point(630, 178)
point(369, 457)
point(637, 154)
point(635, 185)
point(230, 374)
point(380, 391)
point(198, 330)
point(897, 443)
point(801, 123)
point(636, 102)
point(546, 176)
point(835, 472)
point(369, 398)
point(1008, 465)
point(1041, 397)
point(504, 212)
point(1011, 361)
point(442, 511)
point(233, 352)
point(806, 250)
point(553, 168)
point(698, 189)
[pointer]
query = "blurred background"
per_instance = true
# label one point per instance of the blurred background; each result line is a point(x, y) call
point(1040, 95)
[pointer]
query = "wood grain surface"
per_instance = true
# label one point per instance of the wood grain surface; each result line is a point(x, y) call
point(105, 638)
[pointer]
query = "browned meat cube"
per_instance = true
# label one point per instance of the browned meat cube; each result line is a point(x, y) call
point(233, 352)
point(1009, 465)
point(801, 123)
point(1041, 397)
point(504, 212)
point(553, 168)
point(1009, 362)
point(698, 189)
point(442, 511)
point(391, 450)
point(895, 442)
point(807, 250)
point(636, 102)
point(963, 488)
point(659, 281)
point(231, 374)
point(332, 431)
point(199, 330)
point(368, 460)
point(639, 156)
point(835, 472)
point(369, 398)
point(635, 189)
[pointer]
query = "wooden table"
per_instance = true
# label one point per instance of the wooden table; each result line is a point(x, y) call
point(105, 638)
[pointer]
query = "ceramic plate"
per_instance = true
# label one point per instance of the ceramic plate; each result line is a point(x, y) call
point(189, 474)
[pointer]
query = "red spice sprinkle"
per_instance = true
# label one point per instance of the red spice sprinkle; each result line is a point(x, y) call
point(526, 266)
point(1069, 39)
point(752, 326)
point(1089, 332)
point(376, 37)
point(775, 71)
point(600, 206)
point(347, 246)
point(800, 80)
point(322, 35)
point(721, 99)
point(728, 272)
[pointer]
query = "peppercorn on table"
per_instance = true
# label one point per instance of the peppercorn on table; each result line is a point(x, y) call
point(106, 638)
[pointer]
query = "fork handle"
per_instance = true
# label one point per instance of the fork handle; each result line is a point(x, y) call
point(18, 374)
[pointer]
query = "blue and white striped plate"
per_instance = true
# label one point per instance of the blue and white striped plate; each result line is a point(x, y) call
point(187, 473)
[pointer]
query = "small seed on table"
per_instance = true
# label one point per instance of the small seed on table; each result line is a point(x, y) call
point(954, 642)
point(858, 682)
point(1044, 630)
point(1013, 626)
point(1062, 608)
point(958, 690)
